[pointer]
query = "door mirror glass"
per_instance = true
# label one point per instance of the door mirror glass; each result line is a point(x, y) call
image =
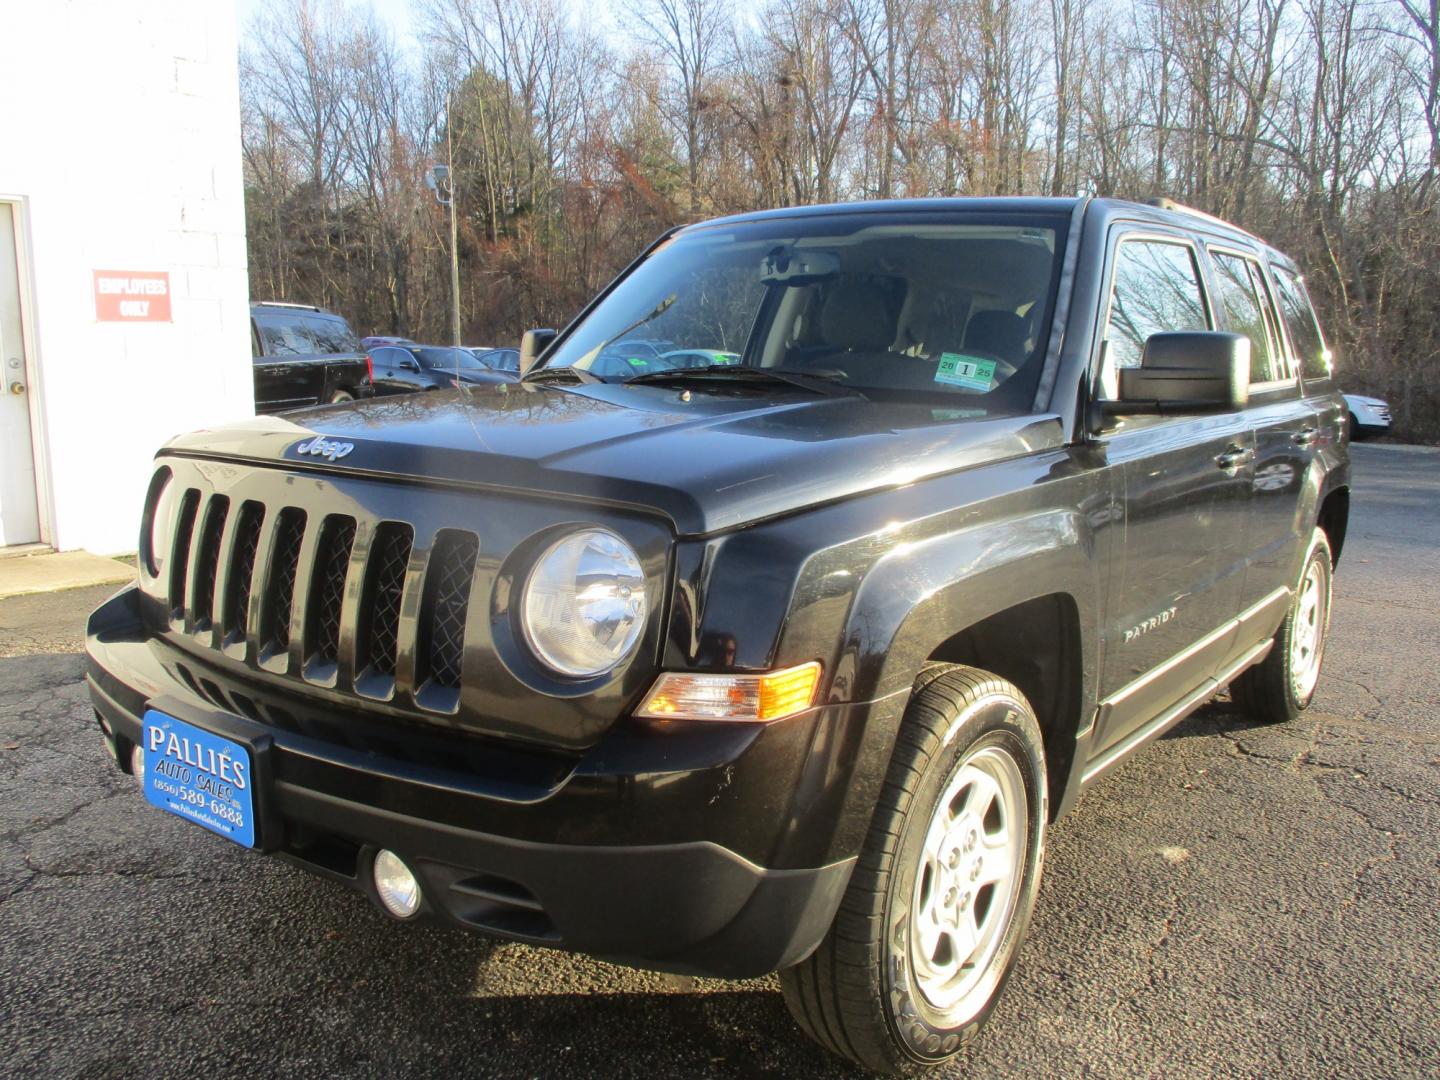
point(1194, 371)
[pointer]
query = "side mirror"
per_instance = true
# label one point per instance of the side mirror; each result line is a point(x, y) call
point(532, 345)
point(407, 365)
point(1192, 371)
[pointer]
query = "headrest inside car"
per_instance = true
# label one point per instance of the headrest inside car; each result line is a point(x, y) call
point(999, 333)
point(855, 318)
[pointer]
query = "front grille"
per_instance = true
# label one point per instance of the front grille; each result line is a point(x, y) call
point(304, 568)
point(447, 599)
point(242, 572)
point(327, 594)
point(284, 566)
point(380, 608)
point(180, 552)
point(208, 561)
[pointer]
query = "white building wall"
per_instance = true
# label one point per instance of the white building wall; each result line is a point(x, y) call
point(121, 139)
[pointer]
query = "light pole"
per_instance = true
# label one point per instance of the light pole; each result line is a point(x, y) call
point(441, 181)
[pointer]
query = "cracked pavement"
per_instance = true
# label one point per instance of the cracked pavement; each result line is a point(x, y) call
point(1234, 901)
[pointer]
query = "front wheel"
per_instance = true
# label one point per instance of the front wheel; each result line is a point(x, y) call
point(1282, 685)
point(932, 920)
point(341, 396)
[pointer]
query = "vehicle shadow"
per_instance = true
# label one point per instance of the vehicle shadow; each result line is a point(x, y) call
point(433, 1000)
point(1216, 717)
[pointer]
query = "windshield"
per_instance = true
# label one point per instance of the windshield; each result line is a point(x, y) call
point(447, 359)
point(901, 307)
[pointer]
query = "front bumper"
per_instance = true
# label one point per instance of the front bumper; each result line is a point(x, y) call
point(644, 850)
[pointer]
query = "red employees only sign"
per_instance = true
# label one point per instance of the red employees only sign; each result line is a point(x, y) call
point(132, 296)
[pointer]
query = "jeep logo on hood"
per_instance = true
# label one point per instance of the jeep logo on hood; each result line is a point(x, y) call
point(329, 449)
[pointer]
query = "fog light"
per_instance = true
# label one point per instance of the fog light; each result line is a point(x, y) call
point(137, 763)
point(396, 885)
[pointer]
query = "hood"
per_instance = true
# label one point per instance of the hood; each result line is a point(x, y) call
point(708, 461)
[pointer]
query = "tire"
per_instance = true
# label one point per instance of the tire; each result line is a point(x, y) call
point(341, 396)
point(966, 781)
point(1281, 687)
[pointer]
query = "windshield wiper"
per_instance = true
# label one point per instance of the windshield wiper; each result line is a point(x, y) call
point(815, 381)
point(556, 374)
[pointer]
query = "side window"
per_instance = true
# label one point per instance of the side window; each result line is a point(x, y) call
point(331, 335)
point(1243, 298)
point(285, 335)
point(1156, 288)
point(1311, 355)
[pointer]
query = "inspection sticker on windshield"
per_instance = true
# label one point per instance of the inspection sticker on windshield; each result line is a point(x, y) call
point(968, 371)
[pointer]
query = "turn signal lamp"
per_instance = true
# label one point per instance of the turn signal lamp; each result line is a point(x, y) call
point(755, 698)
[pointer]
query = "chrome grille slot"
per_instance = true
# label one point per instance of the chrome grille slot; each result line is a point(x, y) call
point(208, 561)
point(442, 619)
point(280, 592)
point(180, 552)
point(242, 571)
point(379, 635)
point(327, 597)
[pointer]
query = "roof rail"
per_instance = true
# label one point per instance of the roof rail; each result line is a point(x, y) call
point(286, 303)
point(1162, 202)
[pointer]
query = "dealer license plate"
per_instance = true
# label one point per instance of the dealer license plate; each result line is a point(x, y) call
point(200, 776)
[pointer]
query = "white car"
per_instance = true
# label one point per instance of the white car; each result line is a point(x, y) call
point(1368, 416)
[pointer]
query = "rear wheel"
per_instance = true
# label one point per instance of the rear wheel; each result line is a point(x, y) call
point(934, 914)
point(1282, 685)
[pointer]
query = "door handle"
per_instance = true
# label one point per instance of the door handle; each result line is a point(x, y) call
point(1305, 436)
point(1234, 457)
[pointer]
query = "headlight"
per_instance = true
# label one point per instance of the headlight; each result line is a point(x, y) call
point(584, 603)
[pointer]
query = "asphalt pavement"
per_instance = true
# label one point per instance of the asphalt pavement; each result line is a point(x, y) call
point(1234, 901)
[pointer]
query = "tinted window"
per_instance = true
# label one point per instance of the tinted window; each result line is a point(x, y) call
point(389, 357)
point(331, 334)
point(1156, 289)
point(1310, 353)
point(504, 359)
point(451, 359)
point(285, 335)
point(1242, 297)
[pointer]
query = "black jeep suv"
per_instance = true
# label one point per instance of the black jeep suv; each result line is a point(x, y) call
point(779, 663)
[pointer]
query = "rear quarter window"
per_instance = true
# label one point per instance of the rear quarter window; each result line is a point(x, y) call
point(285, 335)
point(1311, 355)
point(331, 334)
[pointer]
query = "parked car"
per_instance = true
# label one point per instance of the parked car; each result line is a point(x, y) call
point(374, 342)
point(1367, 416)
point(501, 359)
point(682, 358)
point(786, 664)
point(304, 356)
point(402, 369)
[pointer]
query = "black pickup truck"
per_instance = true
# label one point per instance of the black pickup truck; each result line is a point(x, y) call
point(778, 663)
